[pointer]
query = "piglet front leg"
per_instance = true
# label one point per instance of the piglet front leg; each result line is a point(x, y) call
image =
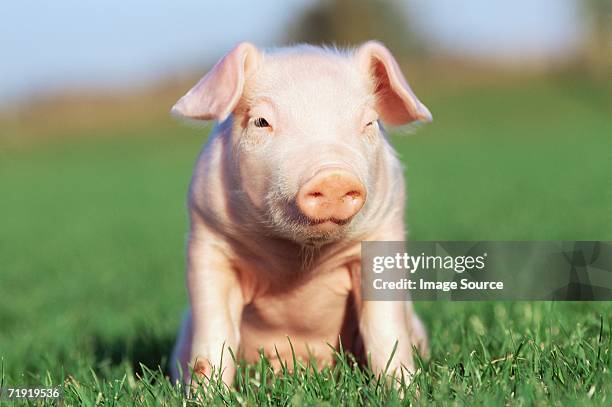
point(383, 327)
point(216, 308)
point(388, 325)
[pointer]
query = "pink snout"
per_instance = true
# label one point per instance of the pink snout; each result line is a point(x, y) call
point(331, 195)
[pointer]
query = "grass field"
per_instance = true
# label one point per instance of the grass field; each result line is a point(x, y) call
point(92, 233)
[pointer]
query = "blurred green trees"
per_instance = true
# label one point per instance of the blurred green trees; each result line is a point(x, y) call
point(349, 22)
point(597, 51)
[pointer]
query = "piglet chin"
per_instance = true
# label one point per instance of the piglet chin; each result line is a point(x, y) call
point(322, 232)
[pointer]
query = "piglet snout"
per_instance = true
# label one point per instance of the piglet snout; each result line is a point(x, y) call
point(331, 195)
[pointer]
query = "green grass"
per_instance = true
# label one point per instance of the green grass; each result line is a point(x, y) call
point(92, 237)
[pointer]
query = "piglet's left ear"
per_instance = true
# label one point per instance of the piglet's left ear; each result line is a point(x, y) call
point(216, 95)
point(395, 101)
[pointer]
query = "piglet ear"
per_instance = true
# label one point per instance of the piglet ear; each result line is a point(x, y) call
point(395, 102)
point(216, 95)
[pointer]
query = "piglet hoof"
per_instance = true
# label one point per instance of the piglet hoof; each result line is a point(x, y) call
point(198, 380)
point(401, 379)
point(202, 369)
point(418, 336)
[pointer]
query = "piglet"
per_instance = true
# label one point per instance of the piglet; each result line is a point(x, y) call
point(297, 172)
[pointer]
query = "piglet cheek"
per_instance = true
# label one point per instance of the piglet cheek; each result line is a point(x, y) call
point(255, 179)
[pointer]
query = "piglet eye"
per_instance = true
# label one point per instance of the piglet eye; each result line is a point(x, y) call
point(369, 123)
point(261, 122)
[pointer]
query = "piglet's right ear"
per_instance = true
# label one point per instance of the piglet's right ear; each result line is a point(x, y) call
point(216, 95)
point(396, 103)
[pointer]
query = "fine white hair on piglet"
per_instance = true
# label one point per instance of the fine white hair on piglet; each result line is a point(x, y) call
point(297, 174)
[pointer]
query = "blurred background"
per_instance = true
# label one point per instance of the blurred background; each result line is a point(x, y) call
point(94, 171)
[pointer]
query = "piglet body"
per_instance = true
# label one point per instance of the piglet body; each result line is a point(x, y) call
point(296, 174)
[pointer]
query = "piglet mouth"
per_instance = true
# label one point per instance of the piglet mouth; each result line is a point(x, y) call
point(324, 228)
point(320, 231)
point(317, 222)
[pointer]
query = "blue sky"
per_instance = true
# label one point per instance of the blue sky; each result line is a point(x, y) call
point(49, 46)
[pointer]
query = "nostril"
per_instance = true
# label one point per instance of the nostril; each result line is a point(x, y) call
point(354, 194)
point(316, 194)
